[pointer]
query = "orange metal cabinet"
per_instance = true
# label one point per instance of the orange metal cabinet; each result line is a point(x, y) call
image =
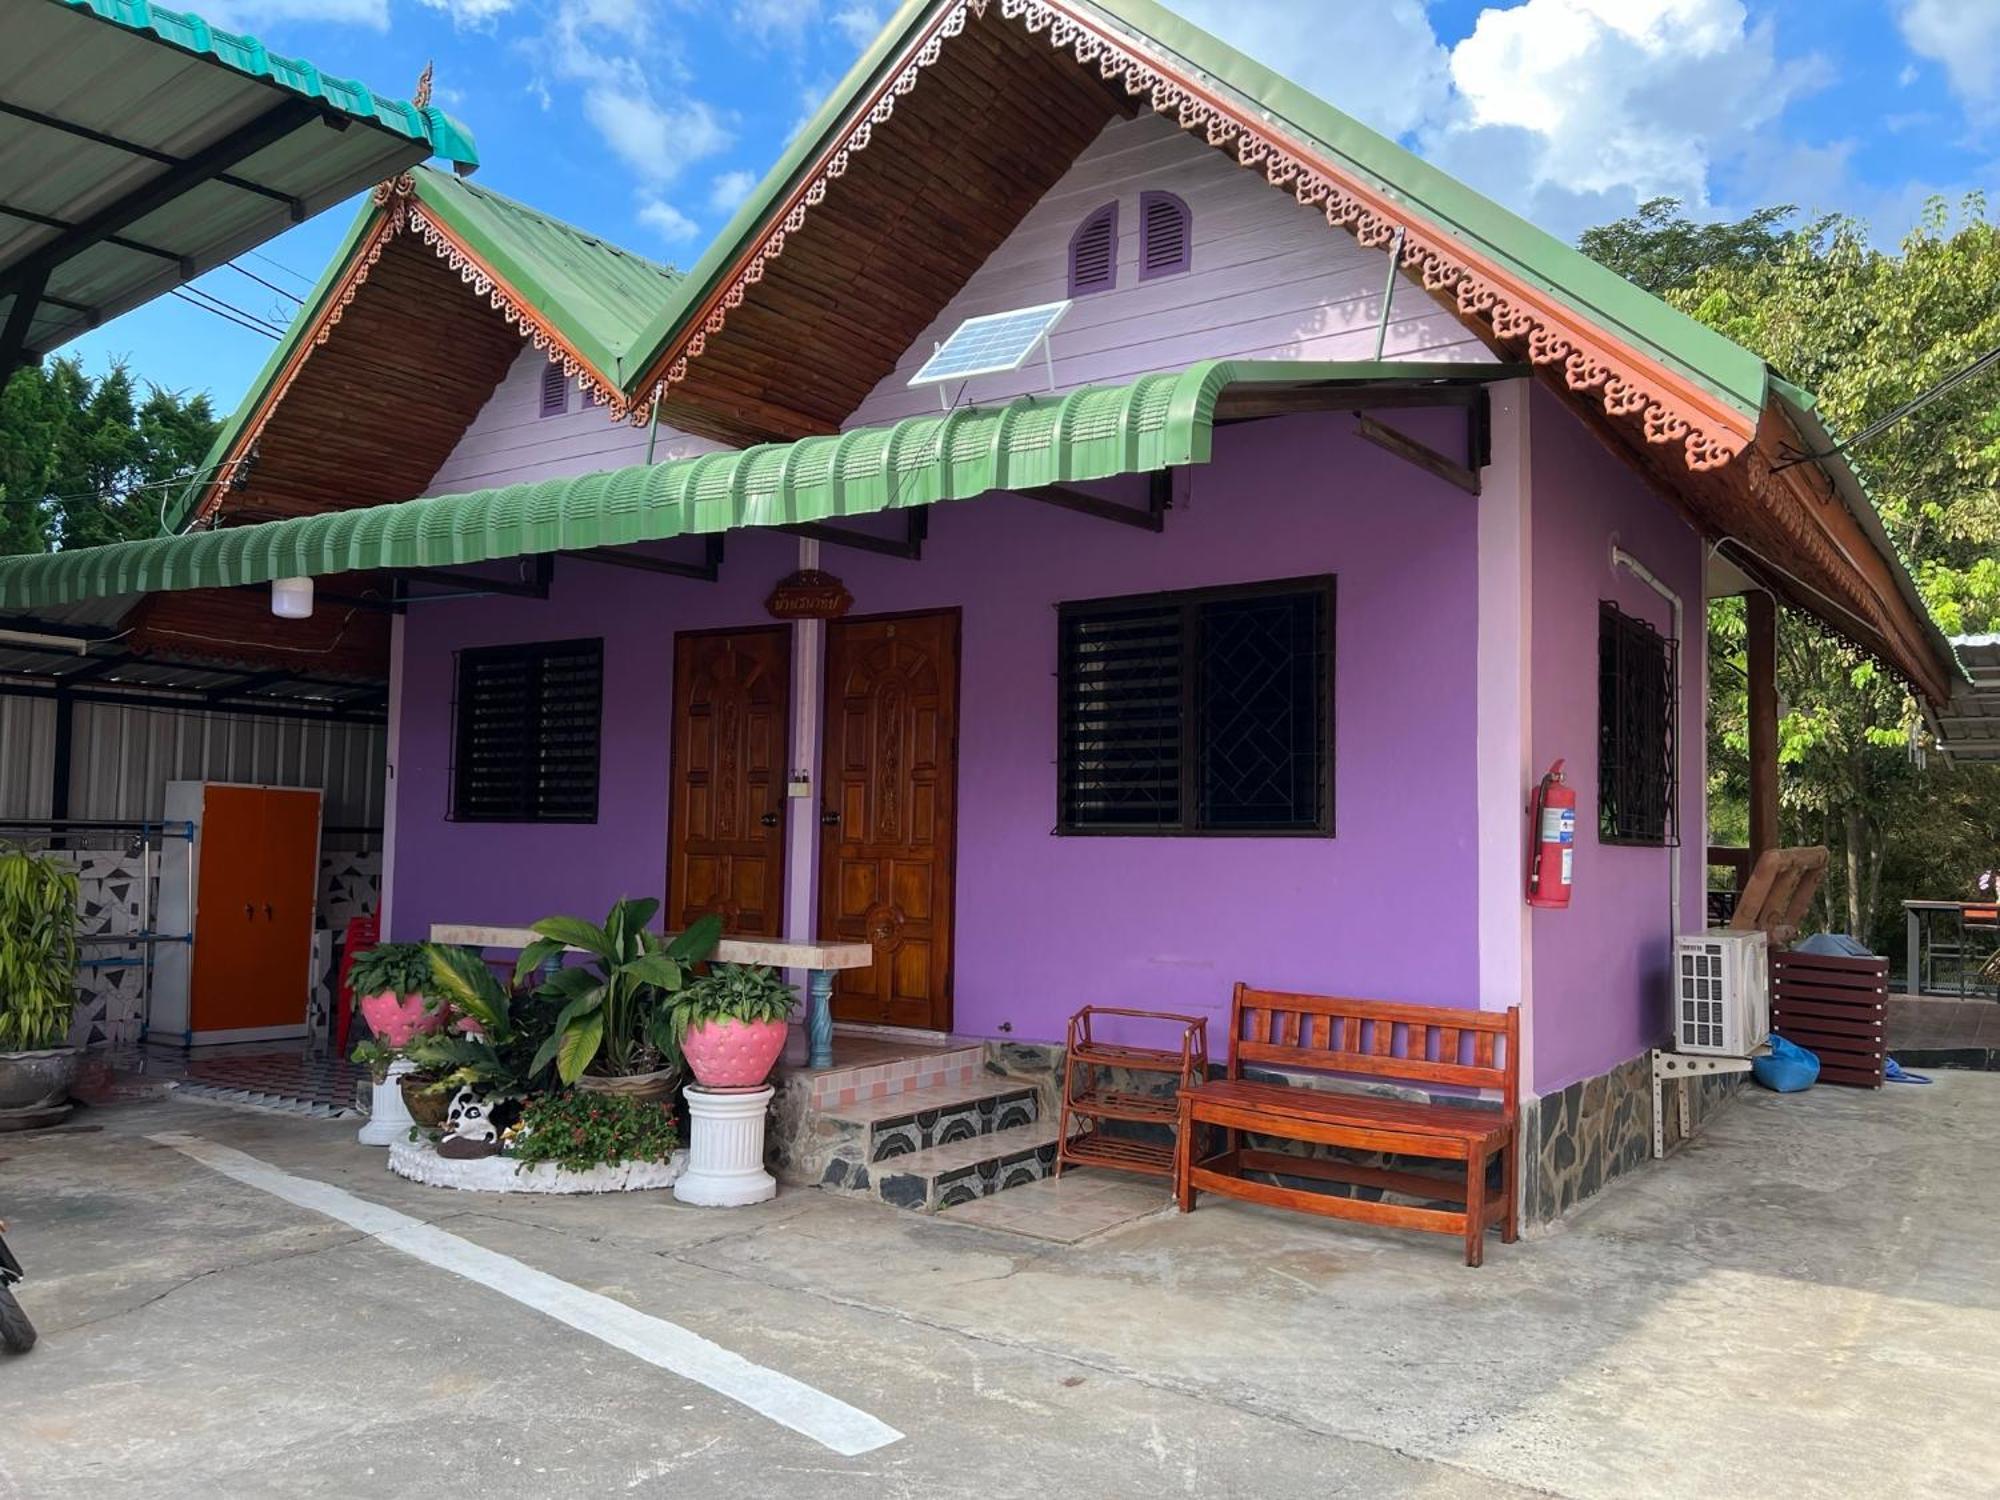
point(247, 888)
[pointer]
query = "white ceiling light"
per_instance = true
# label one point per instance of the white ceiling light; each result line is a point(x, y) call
point(292, 598)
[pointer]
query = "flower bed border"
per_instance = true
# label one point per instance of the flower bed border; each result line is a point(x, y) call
point(419, 1162)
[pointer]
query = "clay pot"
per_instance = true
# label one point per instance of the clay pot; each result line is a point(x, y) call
point(733, 1054)
point(649, 1086)
point(395, 1020)
point(36, 1080)
point(427, 1109)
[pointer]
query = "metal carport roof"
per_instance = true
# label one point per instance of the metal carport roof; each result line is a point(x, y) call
point(140, 147)
point(1968, 727)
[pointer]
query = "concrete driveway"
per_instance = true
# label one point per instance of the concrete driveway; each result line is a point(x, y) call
point(1803, 1303)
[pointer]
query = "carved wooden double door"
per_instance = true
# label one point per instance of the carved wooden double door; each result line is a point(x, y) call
point(887, 806)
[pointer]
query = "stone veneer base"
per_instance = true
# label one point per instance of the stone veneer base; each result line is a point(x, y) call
point(418, 1160)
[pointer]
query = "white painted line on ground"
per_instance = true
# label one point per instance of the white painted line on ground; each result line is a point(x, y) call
point(788, 1402)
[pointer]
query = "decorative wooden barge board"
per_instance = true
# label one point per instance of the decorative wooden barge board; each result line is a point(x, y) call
point(1836, 1008)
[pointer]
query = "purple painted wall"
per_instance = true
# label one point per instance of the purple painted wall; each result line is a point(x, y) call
point(1046, 924)
point(1600, 967)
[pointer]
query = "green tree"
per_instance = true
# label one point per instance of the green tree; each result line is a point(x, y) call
point(86, 461)
point(1661, 249)
point(1866, 330)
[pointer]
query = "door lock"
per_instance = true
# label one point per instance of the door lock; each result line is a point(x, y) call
point(769, 820)
point(829, 818)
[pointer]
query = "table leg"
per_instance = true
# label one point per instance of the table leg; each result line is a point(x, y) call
point(819, 1017)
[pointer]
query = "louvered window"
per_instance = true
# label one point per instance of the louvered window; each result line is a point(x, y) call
point(1208, 711)
point(555, 391)
point(525, 745)
point(1638, 772)
point(1166, 235)
point(1093, 253)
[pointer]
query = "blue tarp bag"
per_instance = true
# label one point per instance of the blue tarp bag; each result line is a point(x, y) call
point(1788, 1069)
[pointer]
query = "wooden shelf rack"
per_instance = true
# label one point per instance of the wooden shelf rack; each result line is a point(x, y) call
point(1089, 1099)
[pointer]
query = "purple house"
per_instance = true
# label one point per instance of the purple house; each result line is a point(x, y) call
point(1224, 635)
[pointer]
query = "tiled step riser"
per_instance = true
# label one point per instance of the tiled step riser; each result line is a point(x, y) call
point(935, 1127)
point(848, 1086)
point(928, 1194)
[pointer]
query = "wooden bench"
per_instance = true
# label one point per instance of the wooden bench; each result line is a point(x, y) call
point(1371, 1039)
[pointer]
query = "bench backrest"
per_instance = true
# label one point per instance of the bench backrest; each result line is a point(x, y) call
point(1377, 1038)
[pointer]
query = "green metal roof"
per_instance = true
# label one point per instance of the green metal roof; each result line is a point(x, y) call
point(1096, 433)
point(142, 147)
point(248, 56)
point(1599, 296)
point(597, 296)
point(594, 294)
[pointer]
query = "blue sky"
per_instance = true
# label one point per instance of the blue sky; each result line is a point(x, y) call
point(646, 121)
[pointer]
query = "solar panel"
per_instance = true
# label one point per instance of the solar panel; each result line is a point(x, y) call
point(991, 344)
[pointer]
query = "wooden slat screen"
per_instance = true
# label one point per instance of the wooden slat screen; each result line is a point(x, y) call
point(526, 742)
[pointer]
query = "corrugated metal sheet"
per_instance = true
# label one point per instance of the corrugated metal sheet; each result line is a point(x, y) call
point(1098, 432)
point(122, 759)
point(1969, 726)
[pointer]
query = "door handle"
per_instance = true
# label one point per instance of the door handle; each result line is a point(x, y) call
point(249, 912)
point(267, 911)
point(829, 818)
point(769, 820)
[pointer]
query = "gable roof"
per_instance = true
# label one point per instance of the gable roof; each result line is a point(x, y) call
point(142, 147)
point(568, 291)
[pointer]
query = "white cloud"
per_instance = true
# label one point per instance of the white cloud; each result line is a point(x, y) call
point(1379, 62)
point(246, 15)
point(657, 141)
point(669, 222)
point(786, 19)
point(859, 23)
point(1963, 36)
point(727, 192)
point(472, 15)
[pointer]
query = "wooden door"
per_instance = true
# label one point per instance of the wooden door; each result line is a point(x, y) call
point(727, 841)
point(888, 824)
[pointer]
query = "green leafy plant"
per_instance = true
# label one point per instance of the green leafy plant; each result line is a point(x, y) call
point(582, 1130)
point(37, 950)
point(375, 1056)
point(611, 1016)
point(739, 992)
point(496, 1043)
point(399, 968)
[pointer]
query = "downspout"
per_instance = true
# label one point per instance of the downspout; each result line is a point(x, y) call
point(1620, 558)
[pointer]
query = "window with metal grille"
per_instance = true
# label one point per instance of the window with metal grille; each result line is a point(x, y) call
point(1208, 711)
point(1093, 252)
point(555, 391)
point(1638, 774)
point(524, 743)
point(1166, 235)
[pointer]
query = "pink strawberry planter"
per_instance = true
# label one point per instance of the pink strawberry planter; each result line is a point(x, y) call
point(733, 1054)
point(396, 1020)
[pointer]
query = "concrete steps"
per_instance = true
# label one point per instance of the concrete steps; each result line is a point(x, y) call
point(964, 1170)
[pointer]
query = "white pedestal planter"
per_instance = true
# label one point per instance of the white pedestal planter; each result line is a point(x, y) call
point(389, 1118)
point(725, 1166)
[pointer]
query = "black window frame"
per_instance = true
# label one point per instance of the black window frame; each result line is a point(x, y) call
point(1189, 822)
point(533, 654)
point(1638, 786)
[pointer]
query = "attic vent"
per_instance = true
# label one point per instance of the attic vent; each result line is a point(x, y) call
point(555, 391)
point(1093, 252)
point(1165, 235)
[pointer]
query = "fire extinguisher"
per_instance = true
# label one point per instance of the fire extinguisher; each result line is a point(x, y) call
point(1552, 826)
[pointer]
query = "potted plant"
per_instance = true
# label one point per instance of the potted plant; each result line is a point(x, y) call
point(37, 982)
point(390, 983)
point(609, 1034)
point(730, 1024)
point(496, 1044)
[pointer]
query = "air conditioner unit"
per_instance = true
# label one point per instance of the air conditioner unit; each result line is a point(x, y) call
point(1722, 992)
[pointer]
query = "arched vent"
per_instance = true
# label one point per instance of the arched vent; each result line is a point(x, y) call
point(555, 390)
point(1093, 253)
point(1166, 235)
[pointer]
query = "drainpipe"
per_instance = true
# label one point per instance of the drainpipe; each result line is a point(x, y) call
point(1620, 558)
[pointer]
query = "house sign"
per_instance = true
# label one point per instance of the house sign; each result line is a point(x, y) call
point(809, 595)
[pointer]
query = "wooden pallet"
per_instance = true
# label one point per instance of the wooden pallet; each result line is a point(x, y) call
point(1836, 1008)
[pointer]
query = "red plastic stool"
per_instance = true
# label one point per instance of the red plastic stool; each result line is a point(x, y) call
point(363, 933)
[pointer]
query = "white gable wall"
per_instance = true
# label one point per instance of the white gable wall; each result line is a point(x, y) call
point(510, 441)
point(1270, 279)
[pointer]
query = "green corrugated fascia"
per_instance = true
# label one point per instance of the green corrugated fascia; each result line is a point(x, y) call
point(599, 297)
point(1600, 297)
point(363, 225)
point(246, 55)
point(1099, 432)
